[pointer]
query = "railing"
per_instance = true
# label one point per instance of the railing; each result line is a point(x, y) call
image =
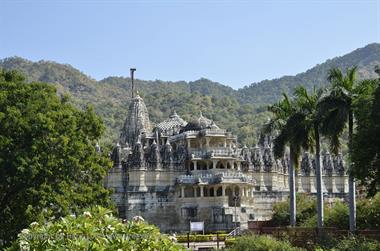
point(214, 152)
point(234, 232)
point(215, 178)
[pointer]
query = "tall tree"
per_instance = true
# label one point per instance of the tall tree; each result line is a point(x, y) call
point(281, 113)
point(309, 117)
point(48, 164)
point(336, 109)
point(366, 144)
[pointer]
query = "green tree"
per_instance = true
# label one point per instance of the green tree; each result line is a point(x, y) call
point(366, 144)
point(310, 122)
point(336, 109)
point(282, 112)
point(48, 164)
point(95, 229)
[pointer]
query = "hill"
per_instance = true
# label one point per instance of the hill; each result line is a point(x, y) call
point(269, 90)
point(243, 111)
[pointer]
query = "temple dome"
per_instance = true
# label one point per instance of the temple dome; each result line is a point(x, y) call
point(136, 123)
point(173, 123)
point(200, 123)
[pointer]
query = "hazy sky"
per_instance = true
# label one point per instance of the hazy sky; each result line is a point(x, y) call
point(232, 42)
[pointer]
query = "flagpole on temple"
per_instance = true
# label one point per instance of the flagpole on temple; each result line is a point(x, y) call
point(132, 74)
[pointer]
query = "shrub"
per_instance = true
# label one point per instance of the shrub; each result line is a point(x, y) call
point(261, 243)
point(368, 213)
point(306, 208)
point(200, 237)
point(357, 244)
point(337, 216)
point(95, 229)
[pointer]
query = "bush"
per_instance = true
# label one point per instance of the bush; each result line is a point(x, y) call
point(357, 244)
point(368, 213)
point(261, 243)
point(200, 237)
point(337, 216)
point(95, 229)
point(306, 208)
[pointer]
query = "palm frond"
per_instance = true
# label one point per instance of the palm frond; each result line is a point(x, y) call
point(335, 76)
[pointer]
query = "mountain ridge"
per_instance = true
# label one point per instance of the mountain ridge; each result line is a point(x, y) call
point(242, 110)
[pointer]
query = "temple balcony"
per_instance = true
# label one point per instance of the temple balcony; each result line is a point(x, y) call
point(213, 152)
point(217, 178)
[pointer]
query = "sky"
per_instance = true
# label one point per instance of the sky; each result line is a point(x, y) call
point(232, 42)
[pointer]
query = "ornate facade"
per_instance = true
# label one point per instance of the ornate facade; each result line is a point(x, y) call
point(179, 171)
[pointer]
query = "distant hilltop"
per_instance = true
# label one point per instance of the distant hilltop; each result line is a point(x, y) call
point(243, 111)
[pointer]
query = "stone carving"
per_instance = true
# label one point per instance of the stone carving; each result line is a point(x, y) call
point(246, 155)
point(181, 154)
point(306, 164)
point(268, 159)
point(138, 159)
point(172, 125)
point(167, 155)
point(339, 164)
point(285, 163)
point(257, 159)
point(137, 122)
point(328, 165)
point(116, 156)
point(154, 157)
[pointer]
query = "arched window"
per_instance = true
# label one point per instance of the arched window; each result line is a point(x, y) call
point(219, 192)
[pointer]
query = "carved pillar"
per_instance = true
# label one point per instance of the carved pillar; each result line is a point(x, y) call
point(202, 191)
point(223, 190)
point(188, 143)
point(195, 165)
point(239, 166)
point(225, 142)
point(195, 191)
point(182, 192)
point(214, 162)
point(142, 186)
point(207, 142)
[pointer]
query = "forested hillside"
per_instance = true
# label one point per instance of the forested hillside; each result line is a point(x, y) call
point(243, 111)
point(269, 90)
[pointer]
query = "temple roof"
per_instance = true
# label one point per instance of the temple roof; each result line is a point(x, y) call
point(200, 123)
point(173, 122)
point(136, 123)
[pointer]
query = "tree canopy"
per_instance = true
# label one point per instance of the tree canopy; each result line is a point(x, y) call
point(48, 163)
point(366, 140)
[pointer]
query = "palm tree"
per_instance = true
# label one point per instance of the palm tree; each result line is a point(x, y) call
point(307, 105)
point(336, 109)
point(282, 111)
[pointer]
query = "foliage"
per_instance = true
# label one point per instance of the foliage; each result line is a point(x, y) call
point(200, 237)
point(306, 208)
point(336, 214)
point(353, 243)
point(261, 243)
point(48, 164)
point(366, 144)
point(96, 229)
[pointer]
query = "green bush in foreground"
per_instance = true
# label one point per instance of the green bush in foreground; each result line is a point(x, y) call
point(95, 229)
point(357, 244)
point(261, 243)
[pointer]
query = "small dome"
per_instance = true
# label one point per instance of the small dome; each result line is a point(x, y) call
point(173, 122)
point(200, 123)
